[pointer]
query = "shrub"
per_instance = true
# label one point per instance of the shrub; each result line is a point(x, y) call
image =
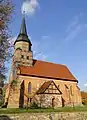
point(14, 83)
point(34, 105)
point(1, 102)
point(84, 102)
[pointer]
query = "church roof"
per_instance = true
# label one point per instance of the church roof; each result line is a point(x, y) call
point(47, 70)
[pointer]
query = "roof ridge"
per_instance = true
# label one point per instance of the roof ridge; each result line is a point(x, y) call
point(50, 62)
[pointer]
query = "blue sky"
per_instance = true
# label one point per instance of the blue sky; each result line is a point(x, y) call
point(58, 32)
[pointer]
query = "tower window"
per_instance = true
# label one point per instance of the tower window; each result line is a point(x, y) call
point(27, 57)
point(22, 56)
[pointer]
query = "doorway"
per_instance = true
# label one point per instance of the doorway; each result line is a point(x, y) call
point(53, 102)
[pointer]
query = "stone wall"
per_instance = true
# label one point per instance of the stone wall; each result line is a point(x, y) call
point(45, 100)
point(46, 116)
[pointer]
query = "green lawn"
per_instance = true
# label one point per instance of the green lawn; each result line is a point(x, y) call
point(64, 109)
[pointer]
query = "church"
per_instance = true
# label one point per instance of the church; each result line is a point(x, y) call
point(33, 81)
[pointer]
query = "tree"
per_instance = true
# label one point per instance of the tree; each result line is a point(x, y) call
point(6, 9)
point(84, 97)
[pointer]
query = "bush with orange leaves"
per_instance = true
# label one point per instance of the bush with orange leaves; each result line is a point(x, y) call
point(84, 97)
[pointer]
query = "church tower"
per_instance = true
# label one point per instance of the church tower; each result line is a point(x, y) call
point(23, 56)
point(22, 47)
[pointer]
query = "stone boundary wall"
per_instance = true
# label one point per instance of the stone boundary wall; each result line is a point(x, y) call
point(46, 116)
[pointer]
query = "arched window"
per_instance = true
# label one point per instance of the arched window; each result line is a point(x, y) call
point(71, 92)
point(29, 87)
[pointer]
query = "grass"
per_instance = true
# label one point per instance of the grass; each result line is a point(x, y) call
point(42, 110)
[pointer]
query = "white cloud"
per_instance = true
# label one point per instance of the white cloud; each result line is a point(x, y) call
point(30, 6)
point(73, 23)
point(73, 33)
point(45, 37)
point(85, 84)
point(74, 28)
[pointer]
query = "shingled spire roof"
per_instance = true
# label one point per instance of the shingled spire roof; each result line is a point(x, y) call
point(23, 33)
point(23, 29)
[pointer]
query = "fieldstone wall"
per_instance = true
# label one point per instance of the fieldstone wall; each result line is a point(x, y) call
point(46, 116)
point(45, 100)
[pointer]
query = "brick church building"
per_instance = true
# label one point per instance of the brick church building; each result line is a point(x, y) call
point(33, 81)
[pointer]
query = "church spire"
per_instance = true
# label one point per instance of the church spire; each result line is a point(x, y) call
point(23, 32)
point(23, 29)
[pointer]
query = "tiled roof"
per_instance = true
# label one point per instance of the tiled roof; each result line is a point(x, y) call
point(47, 70)
point(43, 88)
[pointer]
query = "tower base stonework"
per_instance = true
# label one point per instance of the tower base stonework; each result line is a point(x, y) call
point(14, 96)
point(13, 101)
